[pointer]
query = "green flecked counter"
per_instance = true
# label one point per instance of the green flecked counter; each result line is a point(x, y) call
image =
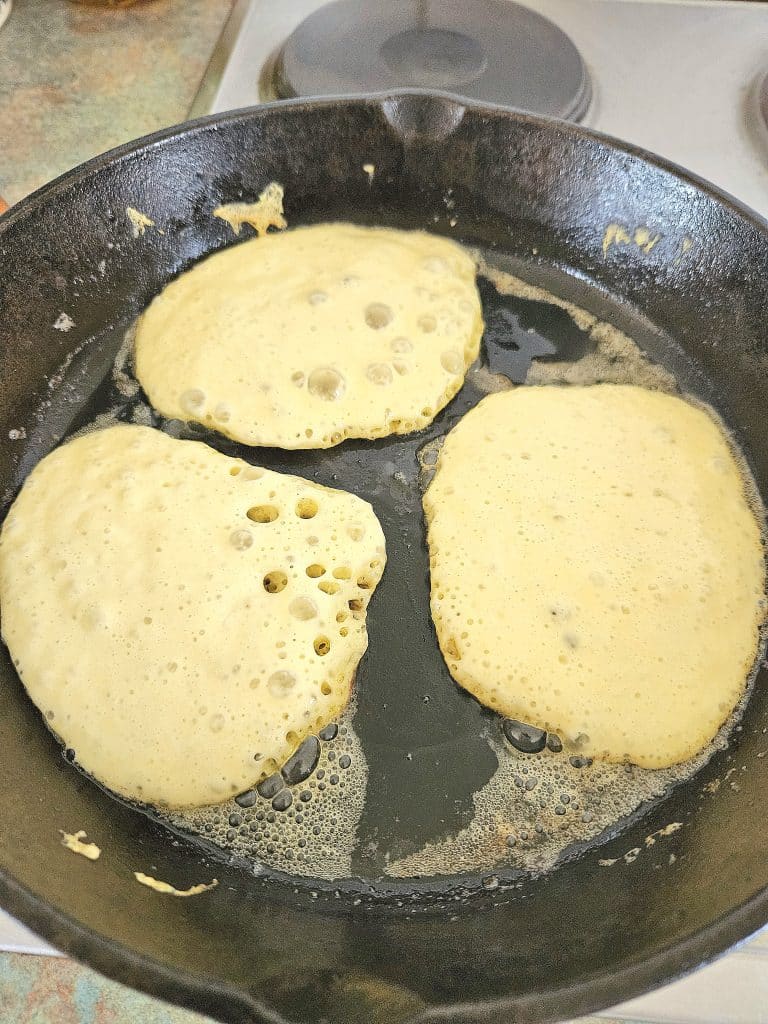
point(75, 81)
point(78, 80)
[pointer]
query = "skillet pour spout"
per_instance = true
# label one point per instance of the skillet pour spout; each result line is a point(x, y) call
point(569, 211)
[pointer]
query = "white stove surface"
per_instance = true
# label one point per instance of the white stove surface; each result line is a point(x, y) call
point(15, 938)
point(679, 78)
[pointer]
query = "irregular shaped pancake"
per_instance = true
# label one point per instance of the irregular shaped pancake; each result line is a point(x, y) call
point(303, 338)
point(597, 569)
point(183, 619)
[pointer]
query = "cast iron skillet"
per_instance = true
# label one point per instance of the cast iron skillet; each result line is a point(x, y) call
point(539, 196)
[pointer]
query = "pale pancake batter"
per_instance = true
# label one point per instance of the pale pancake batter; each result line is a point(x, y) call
point(597, 569)
point(182, 619)
point(303, 338)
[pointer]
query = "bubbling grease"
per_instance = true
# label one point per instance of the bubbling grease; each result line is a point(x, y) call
point(535, 806)
point(306, 828)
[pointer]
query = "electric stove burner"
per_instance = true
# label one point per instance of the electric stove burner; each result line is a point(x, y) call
point(494, 51)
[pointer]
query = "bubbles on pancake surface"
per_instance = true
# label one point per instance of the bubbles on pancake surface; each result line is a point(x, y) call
point(326, 383)
point(281, 683)
point(303, 608)
point(451, 361)
point(378, 315)
point(307, 508)
point(206, 667)
point(263, 514)
point(402, 345)
point(240, 540)
point(379, 373)
point(192, 401)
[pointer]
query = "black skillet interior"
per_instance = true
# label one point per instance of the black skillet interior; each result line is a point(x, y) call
point(537, 197)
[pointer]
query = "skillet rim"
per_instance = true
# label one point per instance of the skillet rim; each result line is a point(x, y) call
point(598, 990)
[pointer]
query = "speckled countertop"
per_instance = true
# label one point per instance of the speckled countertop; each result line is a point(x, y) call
point(51, 990)
point(78, 80)
point(75, 81)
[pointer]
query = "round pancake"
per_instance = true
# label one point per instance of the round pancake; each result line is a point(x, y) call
point(303, 338)
point(182, 619)
point(596, 567)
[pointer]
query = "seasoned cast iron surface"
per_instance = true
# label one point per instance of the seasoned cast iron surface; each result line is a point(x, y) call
point(537, 197)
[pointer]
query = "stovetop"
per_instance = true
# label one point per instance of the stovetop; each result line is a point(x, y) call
point(679, 77)
point(682, 78)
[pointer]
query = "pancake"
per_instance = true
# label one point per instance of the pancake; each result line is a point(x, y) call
point(182, 619)
point(597, 567)
point(303, 338)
